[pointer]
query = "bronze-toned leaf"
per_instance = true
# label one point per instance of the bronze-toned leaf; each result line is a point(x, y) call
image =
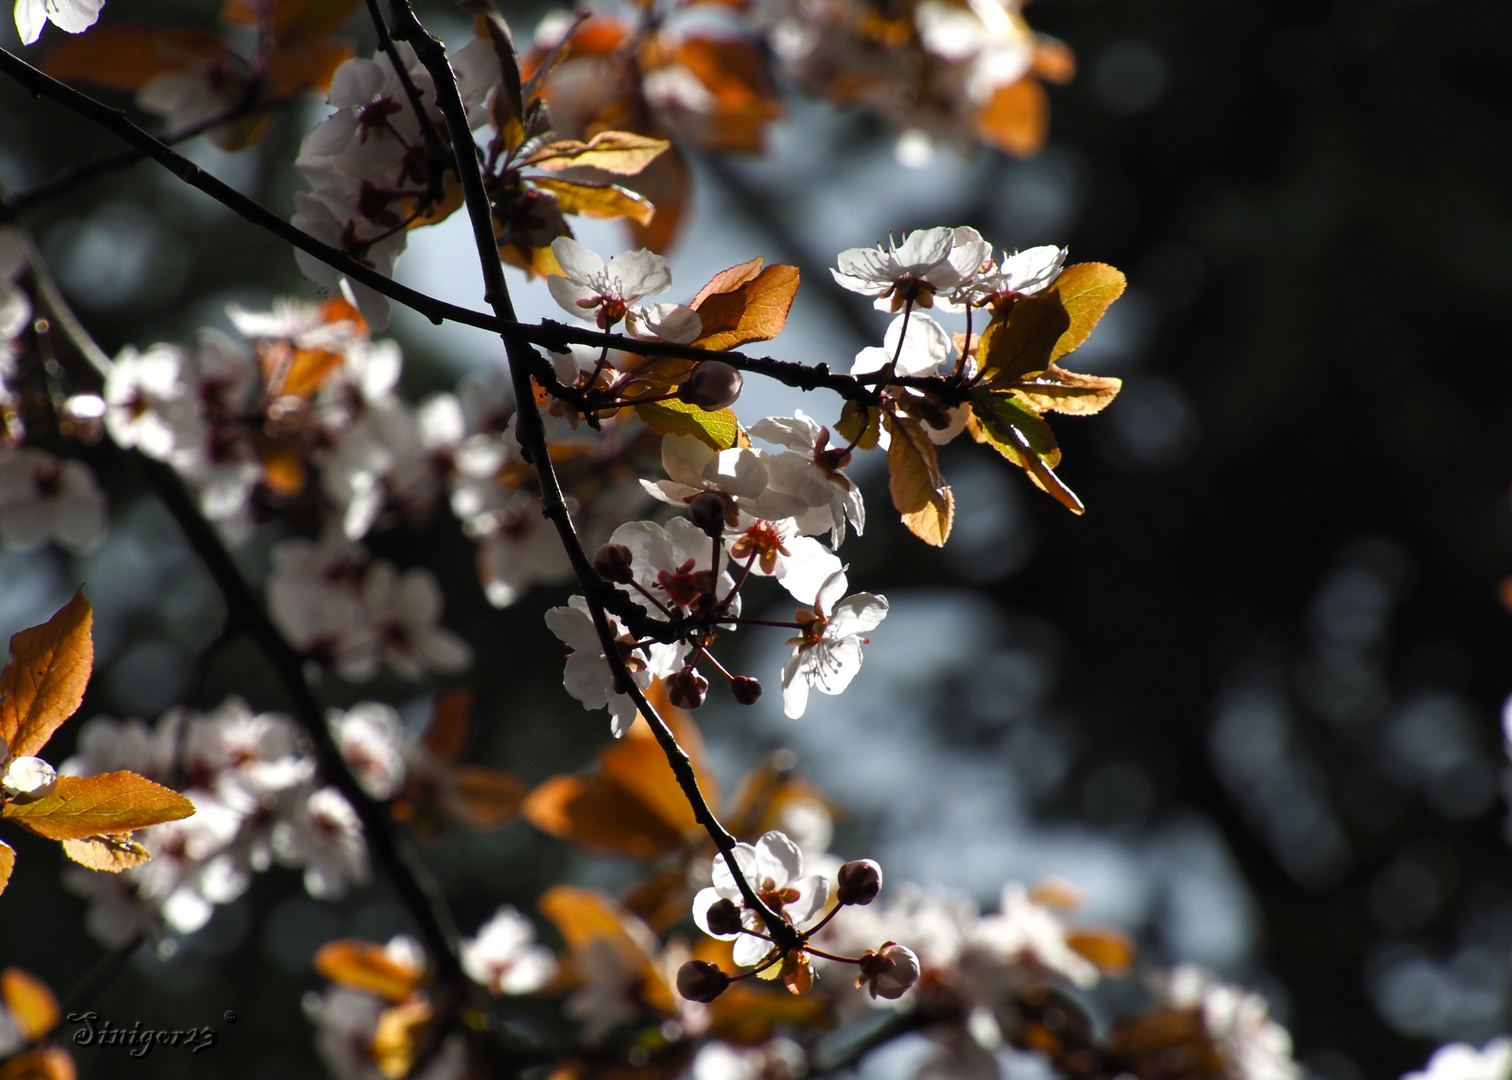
point(366, 965)
point(606, 201)
point(111, 854)
point(1021, 338)
point(83, 806)
point(33, 1008)
point(7, 864)
point(620, 152)
point(129, 57)
point(1086, 290)
point(755, 310)
point(918, 490)
point(1057, 390)
point(44, 682)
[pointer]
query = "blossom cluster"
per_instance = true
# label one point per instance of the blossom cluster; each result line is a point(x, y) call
point(258, 799)
point(368, 164)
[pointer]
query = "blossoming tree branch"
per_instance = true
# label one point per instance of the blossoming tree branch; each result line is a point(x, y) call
point(602, 450)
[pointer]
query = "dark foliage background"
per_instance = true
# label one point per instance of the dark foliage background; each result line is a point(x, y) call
point(1279, 617)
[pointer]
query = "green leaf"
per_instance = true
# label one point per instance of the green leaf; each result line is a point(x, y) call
point(718, 430)
point(1019, 433)
point(865, 420)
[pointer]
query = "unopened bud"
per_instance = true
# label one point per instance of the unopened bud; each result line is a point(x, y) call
point(723, 917)
point(747, 690)
point(712, 385)
point(28, 778)
point(860, 882)
point(709, 511)
point(686, 688)
point(699, 980)
point(889, 972)
point(612, 563)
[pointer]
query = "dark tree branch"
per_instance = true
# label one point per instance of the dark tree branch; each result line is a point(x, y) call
point(532, 435)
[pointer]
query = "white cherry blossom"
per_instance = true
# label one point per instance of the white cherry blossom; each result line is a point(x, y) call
point(1030, 935)
point(149, 403)
point(46, 498)
point(27, 777)
point(1023, 273)
point(811, 460)
point(925, 347)
point(324, 836)
point(929, 261)
point(606, 292)
point(774, 868)
point(587, 676)
point(673, 563)
point(775, 548)
point(1461, 1061)
point(504, 956)
point(73, 16)
point(1253, 1046)
point(827, 652)
point(371, 740)
point(403, 610)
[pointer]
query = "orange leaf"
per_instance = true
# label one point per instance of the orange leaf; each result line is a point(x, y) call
point(918, 490)
point(622, 152)
point(32, 1005)
point(283, 466)
point(656, 784)
point(7, 864)
point(294, 21)
point(729, 280)
point(397, 1037)
point(44, 682)
point(1111, 950)
point(367, 966)
point(129, 57)
point(754, 311)
point(1016, 118)
point(742, 99)
point(44, 1063)
point(584, 916)
point(451, 716)
point(668, 183)
point(83, 806)
point(604, 201)
point(1053, 60)
point(112, 854)
point(308, 65)
point(600, 815)
point(487, 798)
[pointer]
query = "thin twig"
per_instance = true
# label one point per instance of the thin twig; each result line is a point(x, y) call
point(75, 175)
point(532, 436)
point(549, 334)
point(436, 152)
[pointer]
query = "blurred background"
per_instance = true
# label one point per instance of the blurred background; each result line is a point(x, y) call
point(1249, 704)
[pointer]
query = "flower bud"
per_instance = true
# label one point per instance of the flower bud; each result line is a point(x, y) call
point(860, 882)
point(686, 688)
point(699, 980)
point(28, 778)
point(709, 511)
point(723, 917)
point(888, 972)
point(747, 690)
point(612, 563)
point(712, 385)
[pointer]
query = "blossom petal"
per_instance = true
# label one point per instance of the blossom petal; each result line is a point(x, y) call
point(779, 859)
point(724, 881)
